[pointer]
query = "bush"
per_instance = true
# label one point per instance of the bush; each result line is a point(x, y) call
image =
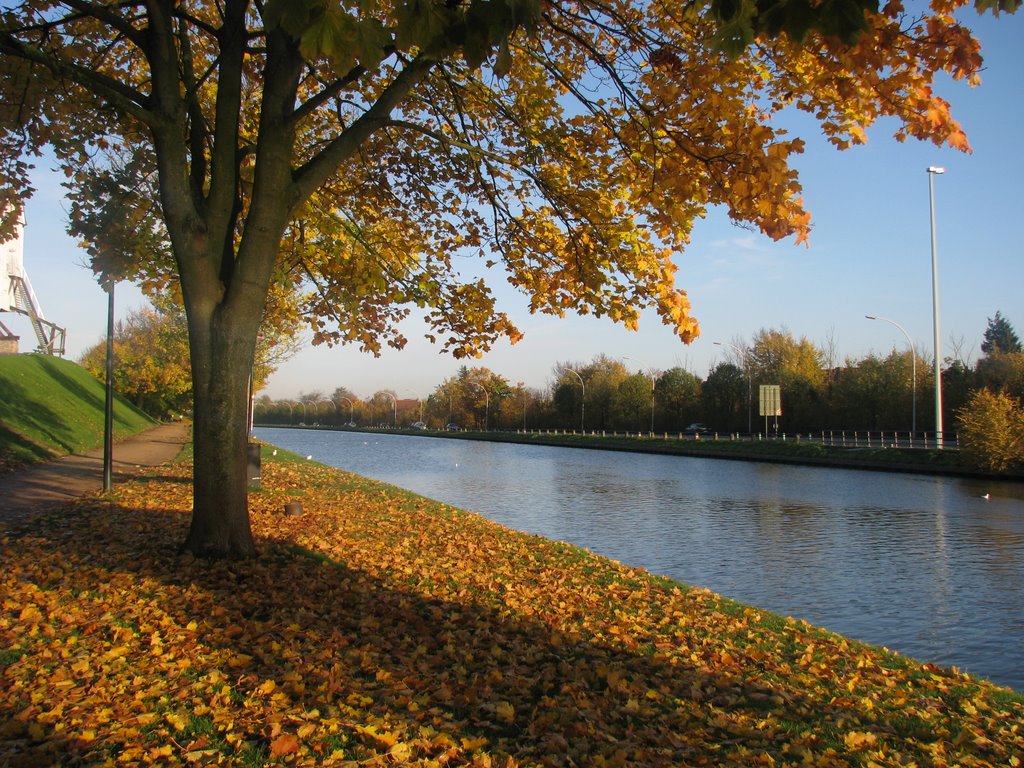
point(992, 430)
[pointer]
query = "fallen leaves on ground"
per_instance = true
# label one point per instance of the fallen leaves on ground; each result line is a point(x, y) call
point(383, 629)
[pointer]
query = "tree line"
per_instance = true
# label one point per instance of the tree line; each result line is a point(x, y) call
point(875, 392)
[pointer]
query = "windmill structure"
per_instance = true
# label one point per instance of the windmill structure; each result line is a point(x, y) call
point(16, 295)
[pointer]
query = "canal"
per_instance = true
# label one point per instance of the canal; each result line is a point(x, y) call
point(927, 566)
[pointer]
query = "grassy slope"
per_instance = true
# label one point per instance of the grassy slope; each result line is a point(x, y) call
point(51, 407)
point(383, 629)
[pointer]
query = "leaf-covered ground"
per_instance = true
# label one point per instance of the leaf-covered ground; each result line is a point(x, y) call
point(382, 629)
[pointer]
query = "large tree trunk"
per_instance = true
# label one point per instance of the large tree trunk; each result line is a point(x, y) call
point(221, 365)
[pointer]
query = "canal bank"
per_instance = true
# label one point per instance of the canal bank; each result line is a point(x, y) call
point(382, 628)
point(863, 451)
point(929, 565)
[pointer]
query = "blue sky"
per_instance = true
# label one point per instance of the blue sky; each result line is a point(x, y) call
point(870, 253)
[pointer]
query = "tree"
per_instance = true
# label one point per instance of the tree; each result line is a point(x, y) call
point(150, 361)
point(1002, 373)
point(633, 402)
point(724, 398)
point(874, 393)
point(677, 395)
point(151, 355)
point(358, 148)
point(1000, 338)
point(797, 365)
point(992, 430)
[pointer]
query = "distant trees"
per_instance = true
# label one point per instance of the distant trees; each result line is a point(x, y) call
point(1000, 337)
point(677, 398)
point(724, 398)
point(873, 393)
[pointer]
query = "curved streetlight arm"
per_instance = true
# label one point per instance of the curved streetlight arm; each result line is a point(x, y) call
point(750, 385)
point(583, 398)
point(349, 408)
point(487, 401)
point(653, 383)
point(913, 370)
point(394, 406)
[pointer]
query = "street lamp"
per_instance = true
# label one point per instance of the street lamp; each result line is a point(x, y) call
point(932, 172)
point(746, 364)
point(583, 398)
point(108, 409)
point(394, 406)
point(487, 401)
point(913, 372)
point(349, 408)
point(329, 402)
point(653, 381)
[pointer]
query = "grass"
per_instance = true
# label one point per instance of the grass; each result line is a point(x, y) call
point(385, 629)
point(52, 407)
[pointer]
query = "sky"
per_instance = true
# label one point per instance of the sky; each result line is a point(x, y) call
point(870, 254)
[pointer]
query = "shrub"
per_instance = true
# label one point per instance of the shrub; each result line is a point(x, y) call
point(992, 430)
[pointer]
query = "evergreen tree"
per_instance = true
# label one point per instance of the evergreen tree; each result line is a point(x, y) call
point(1000, 337)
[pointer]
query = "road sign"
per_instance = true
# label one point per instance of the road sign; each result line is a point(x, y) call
point(771, 400)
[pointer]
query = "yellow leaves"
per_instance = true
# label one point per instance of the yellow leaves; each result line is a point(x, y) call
point(505, 712)
point(857, 741)
point(416, 634)
point(31, 614)
point(285, 744)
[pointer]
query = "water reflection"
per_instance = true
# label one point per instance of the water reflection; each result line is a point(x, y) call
point(920, 564)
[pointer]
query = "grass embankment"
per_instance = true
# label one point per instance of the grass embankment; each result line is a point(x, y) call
point(384, 629)
point(52, 407)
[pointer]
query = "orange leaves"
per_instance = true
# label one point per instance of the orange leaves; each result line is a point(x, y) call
point(384, 629)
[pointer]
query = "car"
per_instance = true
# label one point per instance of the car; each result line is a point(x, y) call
point(452, 427)
point(418, 425)
point(696, 429)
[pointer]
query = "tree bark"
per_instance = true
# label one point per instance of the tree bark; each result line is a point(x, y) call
point(221, 364)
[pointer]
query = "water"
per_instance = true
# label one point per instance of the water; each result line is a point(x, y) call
point(923, 565)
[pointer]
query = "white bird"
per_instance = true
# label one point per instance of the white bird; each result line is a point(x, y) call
point(984, 496)
point(274, 452)
point(309, 457)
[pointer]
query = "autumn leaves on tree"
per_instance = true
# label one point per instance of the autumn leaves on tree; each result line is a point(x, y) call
point(357, 152)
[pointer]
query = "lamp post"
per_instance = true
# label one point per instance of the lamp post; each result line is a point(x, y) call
point(913, 372)
point(329, 402)
point(583, 398)
point(746, 364)
point(932, 172)
point(653, 381)
point(487, 401)
point(108, 408)
point(349, 408)
point(394, 406)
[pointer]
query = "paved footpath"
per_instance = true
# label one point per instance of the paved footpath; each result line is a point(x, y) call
point(38, 486)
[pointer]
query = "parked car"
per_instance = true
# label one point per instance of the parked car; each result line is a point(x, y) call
point(418, 425)
point(696, 429)
point(452, 427)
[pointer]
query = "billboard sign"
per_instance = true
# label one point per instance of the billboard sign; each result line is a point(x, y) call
point(771, 400)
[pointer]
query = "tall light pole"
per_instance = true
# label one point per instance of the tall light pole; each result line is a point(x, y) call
point(394, 406)
point(583, 397)
point(653, 381)
point(932, 171)
point(746, 364)
point(487, 401)
point(349, 408)
point(108, 408)
point(913, 371)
